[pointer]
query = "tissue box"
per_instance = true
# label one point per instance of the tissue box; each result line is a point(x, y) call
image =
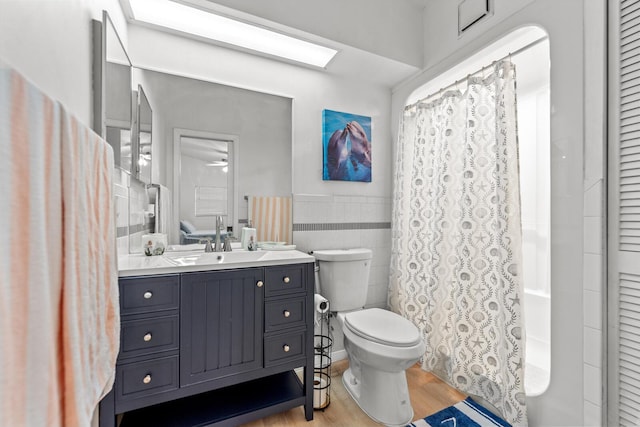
point(154, 243)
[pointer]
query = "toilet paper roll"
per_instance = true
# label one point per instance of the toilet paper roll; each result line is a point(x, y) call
point(321, 304)
point(320, 391)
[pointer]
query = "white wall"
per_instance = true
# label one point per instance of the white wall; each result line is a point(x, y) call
point(50, 42)
point(577, 84)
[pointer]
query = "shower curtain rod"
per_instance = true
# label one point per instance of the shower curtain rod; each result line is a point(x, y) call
point(454, 84)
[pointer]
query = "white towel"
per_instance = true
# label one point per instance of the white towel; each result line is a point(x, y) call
point(90, 321)
point(272, 218)
point(59, 317)
point(163, 210)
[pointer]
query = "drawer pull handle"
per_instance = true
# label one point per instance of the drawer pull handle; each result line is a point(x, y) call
point(260, 283)
point(286, 279)
point(147, 379)
point(148, 295)
point(147, 337)
point(286, 348)
point(286, 313)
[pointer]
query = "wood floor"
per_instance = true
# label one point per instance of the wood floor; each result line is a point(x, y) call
point(428, 395)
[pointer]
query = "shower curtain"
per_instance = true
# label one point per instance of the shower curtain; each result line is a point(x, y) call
point(456, 238)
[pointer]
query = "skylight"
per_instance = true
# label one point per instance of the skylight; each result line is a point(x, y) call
point(180, 17)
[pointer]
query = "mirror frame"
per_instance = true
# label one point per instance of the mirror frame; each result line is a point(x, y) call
point(234, 140)
point(99, 66)
point(141, 97)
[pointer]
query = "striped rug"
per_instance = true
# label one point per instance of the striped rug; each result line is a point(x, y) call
point(467, 413)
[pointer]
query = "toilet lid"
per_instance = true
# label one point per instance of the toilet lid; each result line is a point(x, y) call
point(383, 327)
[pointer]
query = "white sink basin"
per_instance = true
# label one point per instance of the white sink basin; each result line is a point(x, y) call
point(212, 258)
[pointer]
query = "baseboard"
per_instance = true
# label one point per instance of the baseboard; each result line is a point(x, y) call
point(338, 355)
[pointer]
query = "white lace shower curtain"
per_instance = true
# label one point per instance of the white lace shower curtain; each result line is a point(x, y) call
point(456, 238)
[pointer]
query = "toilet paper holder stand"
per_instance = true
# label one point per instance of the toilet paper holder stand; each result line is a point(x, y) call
point(322, 345)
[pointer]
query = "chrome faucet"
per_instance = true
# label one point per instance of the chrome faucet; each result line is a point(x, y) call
point(218, 246)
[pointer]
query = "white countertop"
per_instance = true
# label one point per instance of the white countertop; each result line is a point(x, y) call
point(186, 261)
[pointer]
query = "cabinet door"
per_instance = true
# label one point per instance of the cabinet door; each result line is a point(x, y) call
point(221, 324)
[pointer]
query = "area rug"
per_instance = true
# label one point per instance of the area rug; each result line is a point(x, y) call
point(467, 413)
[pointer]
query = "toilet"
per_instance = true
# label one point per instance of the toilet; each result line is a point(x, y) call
point(380, 344)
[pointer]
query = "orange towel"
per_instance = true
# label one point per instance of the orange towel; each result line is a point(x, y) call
point(272, 218)
point(59, 317)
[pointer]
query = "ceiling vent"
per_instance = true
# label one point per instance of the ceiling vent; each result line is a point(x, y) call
point(472, 11)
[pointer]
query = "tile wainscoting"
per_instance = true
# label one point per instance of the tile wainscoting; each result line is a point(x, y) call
point(132, 221)
point(340, 222)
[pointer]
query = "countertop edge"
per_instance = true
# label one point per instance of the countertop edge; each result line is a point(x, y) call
point(173, 269)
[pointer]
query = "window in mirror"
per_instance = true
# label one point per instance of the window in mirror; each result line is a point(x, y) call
point(143, 125)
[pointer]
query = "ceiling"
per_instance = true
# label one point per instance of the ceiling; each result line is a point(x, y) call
point(379, 41)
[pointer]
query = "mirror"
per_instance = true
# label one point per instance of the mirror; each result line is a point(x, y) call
point(258, 126)
point(143, 125)
point(113, 109)
point(205, 183)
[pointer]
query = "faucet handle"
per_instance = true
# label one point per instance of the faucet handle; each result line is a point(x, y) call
point(226, 247)
point(207, 244)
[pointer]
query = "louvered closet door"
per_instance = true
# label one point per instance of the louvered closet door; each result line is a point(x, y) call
point(624, 214)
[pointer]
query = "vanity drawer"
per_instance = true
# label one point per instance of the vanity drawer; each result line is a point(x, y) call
point(284, 313)
point(139, 379)
point(149, 294)
point(145, 336)
point(284, 280)
point(284, 348)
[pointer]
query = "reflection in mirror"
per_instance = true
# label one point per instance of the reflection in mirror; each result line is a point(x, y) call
point(117, 97)
point(143, 127)
point(206, 185)
point(262, 123)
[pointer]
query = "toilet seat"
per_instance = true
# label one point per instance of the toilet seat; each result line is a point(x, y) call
point(383, 327)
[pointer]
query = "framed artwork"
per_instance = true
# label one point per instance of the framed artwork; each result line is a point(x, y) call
point(346, 141)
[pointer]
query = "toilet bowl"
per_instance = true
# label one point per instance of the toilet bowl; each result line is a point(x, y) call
point(380, 344)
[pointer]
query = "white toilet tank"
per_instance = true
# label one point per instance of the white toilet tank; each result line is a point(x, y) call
point(344, 277)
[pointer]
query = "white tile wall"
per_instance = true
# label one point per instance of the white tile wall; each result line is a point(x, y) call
point(592, 310)
point(592, 414)
point(594, 16)
point(593, 347)
point(593, 301)
point(592, 235)
point(594, 200)
point(592, 269)
point(138, 220)
point(121, 193)
point(592, 384)
point(346, 209)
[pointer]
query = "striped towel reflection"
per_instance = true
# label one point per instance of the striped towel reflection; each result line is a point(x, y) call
point(272, 218)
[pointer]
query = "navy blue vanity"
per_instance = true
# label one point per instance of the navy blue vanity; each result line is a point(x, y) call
point(212, 344)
